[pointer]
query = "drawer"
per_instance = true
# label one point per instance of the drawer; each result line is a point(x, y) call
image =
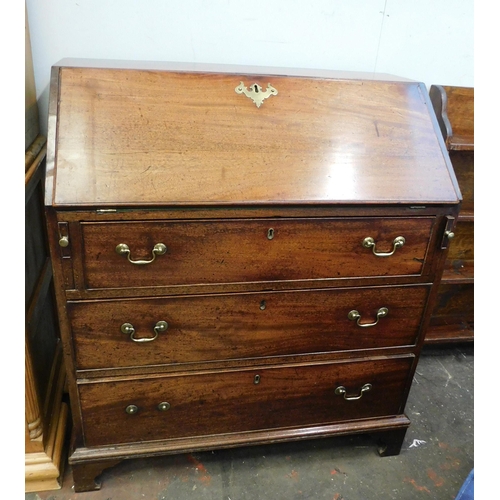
point(257, 250)
point(244, 400)
point(247, 325)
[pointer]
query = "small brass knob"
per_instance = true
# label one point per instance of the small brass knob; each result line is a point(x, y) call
point(164, 406)
point(131, 409)
point(64, 241)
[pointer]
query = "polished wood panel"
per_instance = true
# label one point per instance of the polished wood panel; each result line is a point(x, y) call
point(237, 326)
point(130, 137)
point(231, 251)
point(225, 402)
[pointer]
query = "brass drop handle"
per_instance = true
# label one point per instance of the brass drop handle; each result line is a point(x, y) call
point(355, 316)
point(123, 249)
point(129, 329)
point(398, 242)
point(341, 390)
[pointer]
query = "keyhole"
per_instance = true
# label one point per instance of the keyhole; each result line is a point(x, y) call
point(256, 379)
point(270, 233)
point(256, 88)
point(262, 305)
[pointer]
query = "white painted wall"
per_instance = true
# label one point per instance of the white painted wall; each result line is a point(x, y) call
point(426, 40)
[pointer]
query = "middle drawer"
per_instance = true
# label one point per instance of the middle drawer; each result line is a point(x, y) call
point(190, 329)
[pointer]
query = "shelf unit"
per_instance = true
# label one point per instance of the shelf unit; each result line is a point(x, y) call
point(453, 317)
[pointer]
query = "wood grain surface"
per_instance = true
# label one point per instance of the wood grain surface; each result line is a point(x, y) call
point(225, 402)
point(128, 137)
point(238, 326)
point(229, 251)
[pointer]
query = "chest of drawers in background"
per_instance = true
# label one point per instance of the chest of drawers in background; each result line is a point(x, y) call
point(241, 255)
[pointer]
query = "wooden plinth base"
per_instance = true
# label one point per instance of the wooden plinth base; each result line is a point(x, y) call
point(44, 470)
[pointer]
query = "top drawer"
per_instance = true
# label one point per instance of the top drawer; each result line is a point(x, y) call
point(123, 255)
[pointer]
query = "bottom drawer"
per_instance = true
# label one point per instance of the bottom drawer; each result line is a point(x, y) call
point(219, 402)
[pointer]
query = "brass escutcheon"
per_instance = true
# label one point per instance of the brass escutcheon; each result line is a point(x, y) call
point(255, 92)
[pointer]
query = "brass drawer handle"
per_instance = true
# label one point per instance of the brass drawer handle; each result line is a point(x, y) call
point(355, 316)
point(398, 242)
point(341, 390)
point(123, 249)
point(128, 328)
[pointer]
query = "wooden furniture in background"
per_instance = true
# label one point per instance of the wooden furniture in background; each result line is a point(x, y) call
point(46, 413)
point(231, 270)
point(453, 316)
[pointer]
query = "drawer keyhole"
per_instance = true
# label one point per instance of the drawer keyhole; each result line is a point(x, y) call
point(256, 379)
point(270, 233)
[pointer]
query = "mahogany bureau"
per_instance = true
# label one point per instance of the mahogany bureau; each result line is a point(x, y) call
point(241, 255)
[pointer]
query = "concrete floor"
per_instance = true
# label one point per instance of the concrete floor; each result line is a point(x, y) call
point(437, 455)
